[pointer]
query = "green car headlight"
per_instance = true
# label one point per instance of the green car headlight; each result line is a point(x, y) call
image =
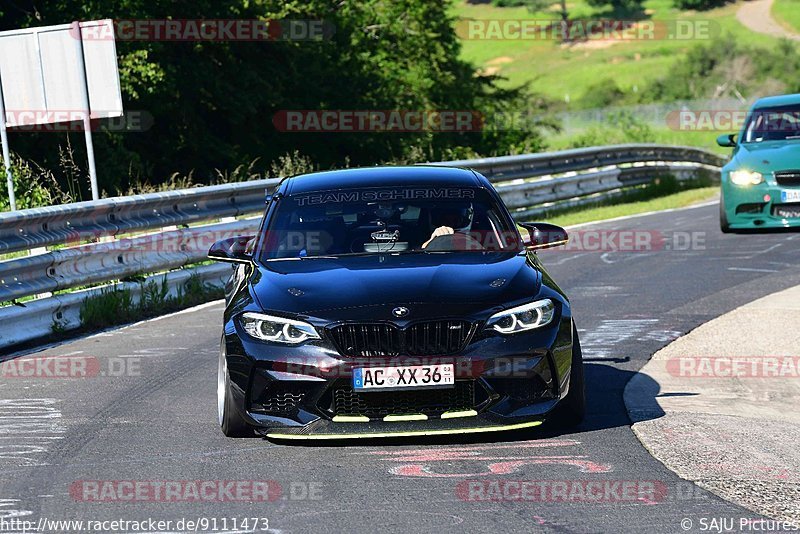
point(746, 177)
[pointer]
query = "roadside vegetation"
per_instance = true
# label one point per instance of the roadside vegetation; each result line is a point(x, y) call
point(723, 63)
point(214, 104)
point(115, 305)
point(787, 13)
point(636, 204)
point(404, 55)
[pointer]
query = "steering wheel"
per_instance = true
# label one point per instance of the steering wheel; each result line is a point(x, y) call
point(454, 243)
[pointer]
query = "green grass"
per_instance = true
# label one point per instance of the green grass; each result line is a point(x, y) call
point(558, 71)
point(663, 136)
point(787, 13)
point(672, 201)
point(115, 306)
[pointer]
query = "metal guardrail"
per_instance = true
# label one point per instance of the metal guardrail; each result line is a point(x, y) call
point(75, 223)
point(527, 183)
point(507, 168)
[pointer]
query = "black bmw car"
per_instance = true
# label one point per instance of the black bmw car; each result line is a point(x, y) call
point(394, 301)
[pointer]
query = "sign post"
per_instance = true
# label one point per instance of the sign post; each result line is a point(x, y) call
point(87, 113)
point(12, 201)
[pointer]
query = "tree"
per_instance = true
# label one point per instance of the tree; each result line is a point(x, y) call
point(536, 6)
point(213, 103)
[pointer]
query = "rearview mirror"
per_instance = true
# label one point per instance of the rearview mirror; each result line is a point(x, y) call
point(727, 140)
point(543, 235)
point(233, 249)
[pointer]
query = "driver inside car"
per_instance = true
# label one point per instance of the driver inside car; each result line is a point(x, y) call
point(449, 220)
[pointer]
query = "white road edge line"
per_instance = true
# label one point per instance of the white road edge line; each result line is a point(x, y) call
point(645, 214)
point(160, 317)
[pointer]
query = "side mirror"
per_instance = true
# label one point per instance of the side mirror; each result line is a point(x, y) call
point(727, 140)
point(233, 249)
point(543, 235)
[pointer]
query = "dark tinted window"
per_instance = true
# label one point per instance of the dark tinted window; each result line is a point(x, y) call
point(386, 220)
point(772, 124)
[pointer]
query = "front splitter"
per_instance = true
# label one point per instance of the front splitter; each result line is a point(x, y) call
point(368, 430)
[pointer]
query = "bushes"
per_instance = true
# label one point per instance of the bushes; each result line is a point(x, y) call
point(699, 5)
point(34, 186)
point(114, 306)
point(618, 128)
point(602, 94)
point(727, 67)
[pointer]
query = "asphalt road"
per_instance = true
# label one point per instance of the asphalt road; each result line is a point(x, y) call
point(157, 421)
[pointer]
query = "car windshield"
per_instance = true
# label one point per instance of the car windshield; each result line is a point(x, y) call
point(386, 220)
point(773, 124)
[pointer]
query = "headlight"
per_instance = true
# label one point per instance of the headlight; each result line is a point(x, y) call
point(746, 177)
point(277, 329)
point(525, 317)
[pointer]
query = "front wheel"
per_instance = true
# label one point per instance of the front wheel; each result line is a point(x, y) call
point(230, 421)
point(573, 406)
point(724, 225)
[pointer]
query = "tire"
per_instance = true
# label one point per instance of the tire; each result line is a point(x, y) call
point(724, 225)
point(573, 406)
point(230, 420)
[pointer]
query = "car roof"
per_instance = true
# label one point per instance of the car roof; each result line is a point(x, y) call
point(777, 101)
point(417, 175)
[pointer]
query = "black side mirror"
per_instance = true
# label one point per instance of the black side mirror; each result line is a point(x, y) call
point(543, 235)
point(727, 140)
point(233, 249)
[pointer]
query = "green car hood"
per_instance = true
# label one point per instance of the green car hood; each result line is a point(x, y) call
point(767, 156)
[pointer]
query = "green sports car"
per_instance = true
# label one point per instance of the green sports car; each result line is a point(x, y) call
point(761, 183)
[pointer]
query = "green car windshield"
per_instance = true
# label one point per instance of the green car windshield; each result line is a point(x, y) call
point(772, 124)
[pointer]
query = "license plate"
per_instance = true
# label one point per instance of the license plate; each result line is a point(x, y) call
point(790, 196)
point(412, 377)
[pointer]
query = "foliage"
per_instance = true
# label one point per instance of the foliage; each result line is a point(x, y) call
point(34, 186)
point(116, 305)
point(618, 128)
point(602, 94)
point(213, 103)
point(618, 6)
point(536, 5)
point(728, 67)
point(291, 165)
point(699, 5)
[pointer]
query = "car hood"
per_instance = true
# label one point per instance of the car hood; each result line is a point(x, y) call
point(768, 156)
point(369, 287)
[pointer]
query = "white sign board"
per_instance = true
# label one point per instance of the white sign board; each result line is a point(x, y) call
point(41, 79)
point(58, 74)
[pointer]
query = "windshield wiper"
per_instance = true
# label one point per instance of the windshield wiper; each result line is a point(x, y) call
point(295, 258)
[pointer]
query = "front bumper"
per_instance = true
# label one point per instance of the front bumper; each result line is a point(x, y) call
point(746, 207)
point(305, 392)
